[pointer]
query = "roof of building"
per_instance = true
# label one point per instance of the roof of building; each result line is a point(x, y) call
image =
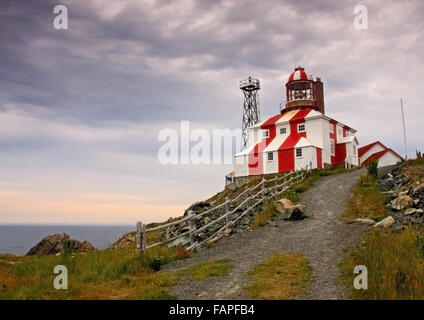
point(298, 74)
point(376, 156)
point(364, 149)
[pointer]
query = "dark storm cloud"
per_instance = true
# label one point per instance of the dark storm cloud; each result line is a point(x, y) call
point(90, 101)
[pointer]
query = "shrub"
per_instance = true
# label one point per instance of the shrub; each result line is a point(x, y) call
point(372, 168)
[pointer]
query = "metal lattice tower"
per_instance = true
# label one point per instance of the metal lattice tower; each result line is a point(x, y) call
point(251, 114)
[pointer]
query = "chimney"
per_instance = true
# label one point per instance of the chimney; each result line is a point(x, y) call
point(319, 95)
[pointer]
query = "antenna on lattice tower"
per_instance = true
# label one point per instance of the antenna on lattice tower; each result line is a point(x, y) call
point(251, 113)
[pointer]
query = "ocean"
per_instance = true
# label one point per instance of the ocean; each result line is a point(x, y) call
point(18, 239)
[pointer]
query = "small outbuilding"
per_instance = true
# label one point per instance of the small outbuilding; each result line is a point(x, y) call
point(379, 152)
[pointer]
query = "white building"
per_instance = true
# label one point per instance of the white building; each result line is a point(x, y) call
point(300, 135)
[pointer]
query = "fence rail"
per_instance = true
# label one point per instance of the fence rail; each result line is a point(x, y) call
point(250, 199)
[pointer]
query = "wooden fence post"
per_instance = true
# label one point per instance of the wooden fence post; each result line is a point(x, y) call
point(263, 187)
point(227, 209)
point(143, 238)
point(138, 235)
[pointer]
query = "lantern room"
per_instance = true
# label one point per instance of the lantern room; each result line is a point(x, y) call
point(303, 92)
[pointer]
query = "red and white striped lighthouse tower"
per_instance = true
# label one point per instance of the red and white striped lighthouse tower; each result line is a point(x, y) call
point(300, 135)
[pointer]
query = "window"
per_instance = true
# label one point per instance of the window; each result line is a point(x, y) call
point(299, 153)
point(339, 131)
point(354, 150)
point(265, 134)
point(270, 156)
point(332, 147)
point(331, 128)
point(301, 127)
point(283, 130)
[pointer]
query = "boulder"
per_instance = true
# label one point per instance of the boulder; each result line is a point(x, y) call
point(127, 240)
point(363, 221)
point(289, 211)
point(281, 206)
point(53, 245)
point(402, 202)
point(385, 223)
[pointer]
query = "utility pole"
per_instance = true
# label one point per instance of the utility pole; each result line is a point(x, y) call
point(404, 130)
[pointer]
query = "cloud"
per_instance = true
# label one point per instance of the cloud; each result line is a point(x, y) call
point(80, 109)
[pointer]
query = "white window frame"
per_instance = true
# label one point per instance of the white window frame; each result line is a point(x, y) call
point(301, 153)
point(339, 131)
point(270, 154)
point(304, 127)
point(285, 130)
point(332, 147)
point(265, 134)
point(331, 128)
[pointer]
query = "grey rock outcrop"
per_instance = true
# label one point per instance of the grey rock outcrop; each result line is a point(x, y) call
point(54, 245)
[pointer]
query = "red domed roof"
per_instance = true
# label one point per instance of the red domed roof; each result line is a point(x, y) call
point(298, 74)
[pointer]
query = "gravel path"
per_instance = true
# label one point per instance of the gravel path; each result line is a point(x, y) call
point(323, 238)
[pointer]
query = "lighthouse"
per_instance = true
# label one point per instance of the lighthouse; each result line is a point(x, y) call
point(300, 135)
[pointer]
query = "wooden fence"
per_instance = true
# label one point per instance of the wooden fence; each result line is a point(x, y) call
point(250, 199)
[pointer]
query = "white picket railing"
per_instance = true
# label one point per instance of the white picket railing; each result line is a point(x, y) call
point(255, 194)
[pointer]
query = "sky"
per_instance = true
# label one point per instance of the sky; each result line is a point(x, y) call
point(81, 109)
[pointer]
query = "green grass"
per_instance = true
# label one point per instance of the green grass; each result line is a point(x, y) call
point(367, 201)
point(281, 277)
point(108, 274)
point(395, 263)
point(215, 268)
point(395, 260)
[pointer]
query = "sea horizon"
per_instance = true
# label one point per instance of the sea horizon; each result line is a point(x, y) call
point(19, 238)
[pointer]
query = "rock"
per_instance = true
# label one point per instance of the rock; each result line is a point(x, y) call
point(272, 223)
point(420, 211)
point(281, 206)
point(85, 247)
point(418, 189)
point(363, 221)
point(197, 206)
point(385, 223)
point(127, 240)
point(183, 242)
point(415, 219)
point(53, 245)
point(402, 202)
point(416, 201)
point(409, 211)
point(387, 183)
point(295, 213)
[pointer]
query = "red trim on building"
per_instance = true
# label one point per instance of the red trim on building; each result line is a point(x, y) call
point(376, 156)
point(255, 157)
point(319, 158)
point(286, 156)
point(340, 156)
point(364, 149)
